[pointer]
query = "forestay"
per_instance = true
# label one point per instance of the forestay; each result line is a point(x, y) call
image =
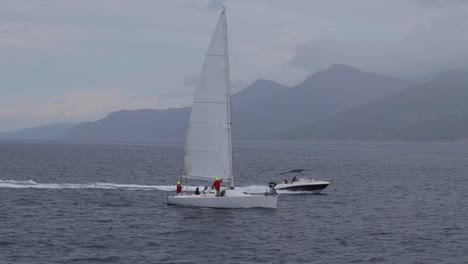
point(208, 144)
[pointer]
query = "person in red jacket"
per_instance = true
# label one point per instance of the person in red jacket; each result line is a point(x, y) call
point(179, 187)
point(217, 185)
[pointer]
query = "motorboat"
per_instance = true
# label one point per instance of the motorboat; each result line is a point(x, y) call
point(302, 185)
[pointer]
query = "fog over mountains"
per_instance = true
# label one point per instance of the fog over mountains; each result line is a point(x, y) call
point(429, 111)
point(318, 97)
point(340, 102)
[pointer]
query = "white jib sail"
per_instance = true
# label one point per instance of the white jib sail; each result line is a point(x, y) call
point(208, 144)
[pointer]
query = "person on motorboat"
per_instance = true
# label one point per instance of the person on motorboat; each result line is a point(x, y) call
point(217, 185)
point(293, 179)
point(197, 191)
point(179, 187)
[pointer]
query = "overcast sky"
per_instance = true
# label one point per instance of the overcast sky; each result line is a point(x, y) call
point(72, 61)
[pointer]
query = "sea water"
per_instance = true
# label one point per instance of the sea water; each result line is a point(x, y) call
point(93, 203)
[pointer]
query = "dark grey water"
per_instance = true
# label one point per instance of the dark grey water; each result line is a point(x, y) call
point(388, 203)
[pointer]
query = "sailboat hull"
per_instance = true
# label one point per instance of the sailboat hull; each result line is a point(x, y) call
point(232, 199)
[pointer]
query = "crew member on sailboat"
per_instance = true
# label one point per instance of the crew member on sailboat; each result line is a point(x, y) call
point(217, 185)
point(179, 187)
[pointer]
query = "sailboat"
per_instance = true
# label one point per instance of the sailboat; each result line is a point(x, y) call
point(208, 147)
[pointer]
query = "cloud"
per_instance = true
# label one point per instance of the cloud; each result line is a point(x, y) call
point(191, 80)
point(151, 48)
point(78, 106)
point(215, 4)
point(437, 43)
point(26, 37)
point(236, 85)
point(438, 2)
point(211, 5)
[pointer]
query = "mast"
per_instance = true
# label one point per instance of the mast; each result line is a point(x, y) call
point(208, 147)
point(228, 95)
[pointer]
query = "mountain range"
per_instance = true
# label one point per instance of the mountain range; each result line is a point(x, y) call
point(340, 102)
point(318, 97)
point(430, 111)
point(45, 132)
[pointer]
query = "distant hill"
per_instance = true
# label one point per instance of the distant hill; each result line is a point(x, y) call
point(161, 125)
point(249, 108)
point(255, 92)
point(320, 96)
point(457, 76)
point(136, 125)
point(45, 132)
point(437, 110)
point(261, 111)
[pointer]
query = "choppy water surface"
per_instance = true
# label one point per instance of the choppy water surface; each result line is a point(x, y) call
point(388, 203)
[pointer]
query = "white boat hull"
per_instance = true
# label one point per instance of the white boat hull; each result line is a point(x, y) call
point(231, 199)
point(303, 185)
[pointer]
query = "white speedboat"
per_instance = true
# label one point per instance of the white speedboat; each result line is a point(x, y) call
point(208, 148)
point(303, 185)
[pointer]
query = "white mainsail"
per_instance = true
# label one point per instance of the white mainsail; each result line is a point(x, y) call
point(208, 151)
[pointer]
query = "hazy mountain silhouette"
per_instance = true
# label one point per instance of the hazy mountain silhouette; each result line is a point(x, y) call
point(161, 125)
point(135, 125)
point(437, 110)
point(320, 96)
point(250, 106)
point(45, 132)
point(262, 110)
point(455, 76)
point(257, 91)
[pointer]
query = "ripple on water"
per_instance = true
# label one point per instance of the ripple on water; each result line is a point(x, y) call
point(382, 207)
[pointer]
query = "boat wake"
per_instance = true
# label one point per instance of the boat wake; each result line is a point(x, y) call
point(109, 186)
point(95, 185)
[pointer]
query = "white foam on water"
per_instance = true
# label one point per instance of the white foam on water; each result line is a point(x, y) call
point(94, 185)
point(109, 185)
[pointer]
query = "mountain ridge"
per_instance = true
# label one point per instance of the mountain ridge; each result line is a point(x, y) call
point(435, 110)
point(338, 98)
